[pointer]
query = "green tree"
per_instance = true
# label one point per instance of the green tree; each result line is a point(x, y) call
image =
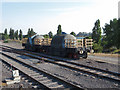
point(2, 36)
point(96, 32)
point(16, 34)
point(46, 36)
point(96, 36)
point(20, 34)
point(5, 34)
point(50, 34)
point(111, 32)
point(73, 33)
point(30, 32)
point(118, 34)
point(97, 47)
point(59, 31)
point(11, 34)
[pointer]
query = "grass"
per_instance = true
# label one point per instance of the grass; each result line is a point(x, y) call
point(5, 41)
point(15, 40)
point(116, 51)
point(105, 54)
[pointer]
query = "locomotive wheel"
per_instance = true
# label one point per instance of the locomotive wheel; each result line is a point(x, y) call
point(70, 55)
point(85, 55)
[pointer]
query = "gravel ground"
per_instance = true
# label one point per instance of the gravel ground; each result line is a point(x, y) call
point(7, 73)
point(108, 59)
point(77, 77)
point(97, 64)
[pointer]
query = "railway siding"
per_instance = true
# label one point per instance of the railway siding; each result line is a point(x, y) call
point(89, 62)
point(19, 56)
point(26, 69)
point(100, 73)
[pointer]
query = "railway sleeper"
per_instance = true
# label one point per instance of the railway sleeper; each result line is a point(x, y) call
point(52, 85)
point(59, 86)
point(41, 79)
point(37, 76)
point(46, 81)
point(33, 74)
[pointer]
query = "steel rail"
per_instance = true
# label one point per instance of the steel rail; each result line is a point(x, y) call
point(55, 77)
point(78, 69)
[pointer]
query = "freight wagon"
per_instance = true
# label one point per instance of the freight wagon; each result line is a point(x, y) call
point(64, 45)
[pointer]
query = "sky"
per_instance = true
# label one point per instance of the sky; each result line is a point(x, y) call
point(45, 15)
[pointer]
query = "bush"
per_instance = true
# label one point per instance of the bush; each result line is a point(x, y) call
point(5, 41)
point(97, 48)
point(116, 51)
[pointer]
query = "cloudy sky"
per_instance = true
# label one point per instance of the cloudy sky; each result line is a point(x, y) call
point(45, 15)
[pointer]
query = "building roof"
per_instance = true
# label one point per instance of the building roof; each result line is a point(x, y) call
point(80, 37)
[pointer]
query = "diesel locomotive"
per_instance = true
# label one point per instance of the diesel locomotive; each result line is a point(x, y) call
point(63, 45)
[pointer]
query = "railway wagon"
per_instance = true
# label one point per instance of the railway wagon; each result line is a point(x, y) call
point(64, 45)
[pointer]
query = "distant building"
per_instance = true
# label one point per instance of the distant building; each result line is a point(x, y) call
point(80, 37)
point(83, 34)
point(64, 33)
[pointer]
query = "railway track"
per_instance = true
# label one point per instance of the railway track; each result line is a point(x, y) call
point(43, 78)
point(75, 66)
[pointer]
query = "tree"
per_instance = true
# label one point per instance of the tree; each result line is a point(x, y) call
point(5, 34)
point(96, 32)
point(2, 36)
point(112, 33)
point(29, 35)
point(20, 34)
point(30, 32)
point(50, 34)
point(46, 36)
point(97, 47)
point(16, 34)
point(96, 36)
point(11, 35)
point(59, 31)
point(118, 34)
point(73, 33)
